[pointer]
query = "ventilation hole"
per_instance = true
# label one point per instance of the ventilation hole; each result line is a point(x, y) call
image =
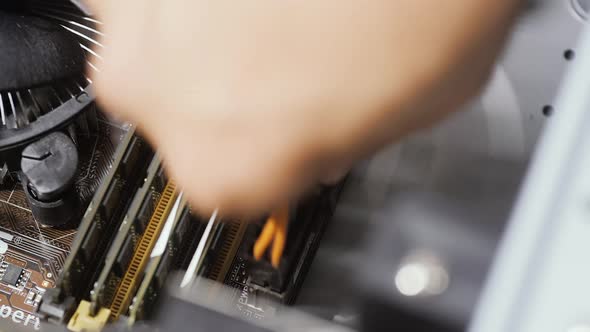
point(569, 55)
point(548, 110)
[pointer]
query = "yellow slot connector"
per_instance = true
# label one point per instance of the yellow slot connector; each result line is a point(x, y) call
point(82, 321)
point(141, 256)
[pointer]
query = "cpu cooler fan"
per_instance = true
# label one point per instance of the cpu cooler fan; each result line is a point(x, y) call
point(46, 100)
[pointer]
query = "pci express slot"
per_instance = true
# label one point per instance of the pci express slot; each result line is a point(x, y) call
point(123, 246)
point(307, 225)
point(141, 255)
point(97, 227)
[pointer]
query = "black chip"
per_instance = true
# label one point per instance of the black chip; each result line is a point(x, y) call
point(125, 256)
point(12, 275)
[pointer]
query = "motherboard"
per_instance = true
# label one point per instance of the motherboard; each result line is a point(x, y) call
point(32, 255)
point(91, 226)
point(136, 229)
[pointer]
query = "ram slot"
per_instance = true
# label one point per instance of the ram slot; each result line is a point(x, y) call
point(121, 250)
point(141, 255)
point(230, 242)
point(95, 314)
point(164, 258)
point(97, 228)
point(201, 257)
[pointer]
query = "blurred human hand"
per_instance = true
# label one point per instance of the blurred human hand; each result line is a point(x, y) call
point(252, 102)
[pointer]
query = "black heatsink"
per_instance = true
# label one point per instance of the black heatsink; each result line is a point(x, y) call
point(43, 86)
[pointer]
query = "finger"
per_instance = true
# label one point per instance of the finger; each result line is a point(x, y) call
point(243, 182)
point(265, 238)
point(282, 220)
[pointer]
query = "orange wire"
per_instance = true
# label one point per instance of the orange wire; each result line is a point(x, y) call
point(265, 238)
point(278, 246)
point(275, 232)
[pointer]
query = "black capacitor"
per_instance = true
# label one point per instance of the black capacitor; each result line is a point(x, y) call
point(49, 167)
